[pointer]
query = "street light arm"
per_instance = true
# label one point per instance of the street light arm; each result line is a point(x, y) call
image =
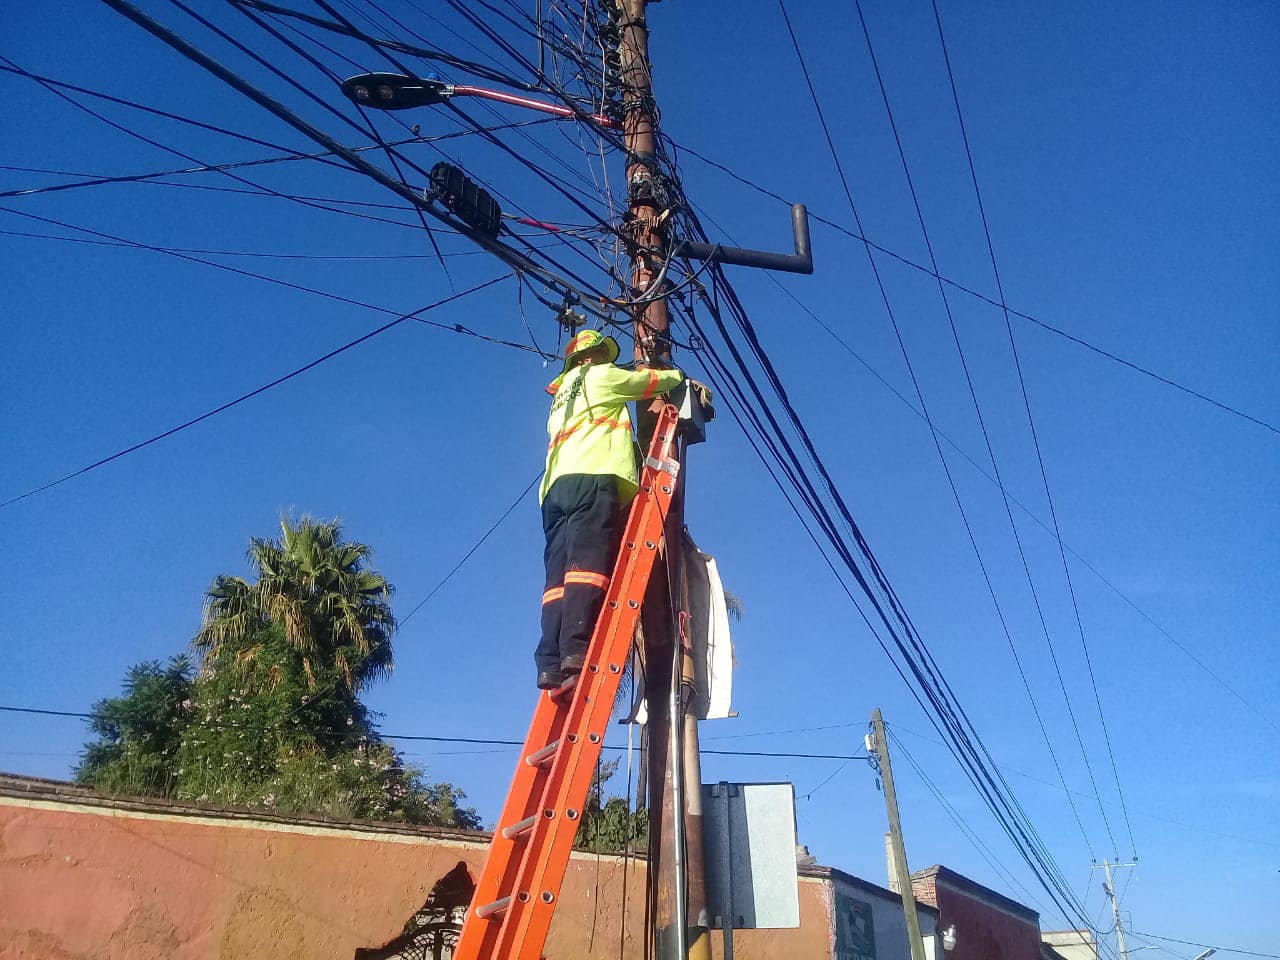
point(532, 104)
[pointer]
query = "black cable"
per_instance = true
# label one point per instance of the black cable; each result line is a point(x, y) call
point(511, 257)
point(981, 422)
point(92, 180)
point(186, 156)
point(476, 546)
point(475, 127)
point(961, 824)
point(416, 314)
point(1193, 943)
point(433, 739)
point(963, 740)
point(373, 131)
point(1053, 513)
point(929, 682)
point(173, 252)
point(925, 686)
point(477, 69)
point(237, 253)
point(1043, 324)
point(972, 461)
point(1084, 752)
point(134, 105)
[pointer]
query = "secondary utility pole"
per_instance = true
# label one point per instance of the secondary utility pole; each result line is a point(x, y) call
point(677, 879)
point(878, 744)
point(1110, 887)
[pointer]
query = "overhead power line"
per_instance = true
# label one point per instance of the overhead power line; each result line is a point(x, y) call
point(467, 556)
point(933, 432)
point(262, 389)
point(254, 254)
point(1026, 399)
point(426, 53)
point(1194, 943)
point(982, 424)
point(986, 474)
point(970, 291)
point(921, 674)
point(932, 690)
point(504, 252)
point(482, 741)
point(174, 252)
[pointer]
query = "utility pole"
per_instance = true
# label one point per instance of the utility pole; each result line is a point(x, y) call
point(1110, 887)
point(878, 744)
point(677, 876)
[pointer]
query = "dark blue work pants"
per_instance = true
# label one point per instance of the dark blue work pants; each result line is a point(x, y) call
point(582, 520)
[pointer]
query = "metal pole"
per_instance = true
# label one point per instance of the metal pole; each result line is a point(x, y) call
point(881, 745)
point(1115, 905)
point(697, 914)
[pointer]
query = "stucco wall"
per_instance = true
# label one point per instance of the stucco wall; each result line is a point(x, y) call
point(984, 931)
point(887, 937)
point(80, 880)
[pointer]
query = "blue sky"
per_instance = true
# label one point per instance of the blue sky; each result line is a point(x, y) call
point(1126, 157)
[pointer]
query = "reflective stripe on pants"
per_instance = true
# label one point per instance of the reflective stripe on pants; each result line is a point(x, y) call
point(581, 517)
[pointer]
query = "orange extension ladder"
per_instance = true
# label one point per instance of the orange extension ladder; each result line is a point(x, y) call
point(511, 911)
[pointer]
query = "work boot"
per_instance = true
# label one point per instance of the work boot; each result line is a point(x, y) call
point(550, 679)
point(572, 665)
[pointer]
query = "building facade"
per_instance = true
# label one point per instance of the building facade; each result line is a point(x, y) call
point(987, 925)
point(86, 876)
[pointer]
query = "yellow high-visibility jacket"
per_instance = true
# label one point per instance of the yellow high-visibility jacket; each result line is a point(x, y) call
point(590, 427)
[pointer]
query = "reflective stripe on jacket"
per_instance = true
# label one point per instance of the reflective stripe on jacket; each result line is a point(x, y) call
point(589, 428)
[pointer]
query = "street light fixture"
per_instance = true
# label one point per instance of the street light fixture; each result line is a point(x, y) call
point(394, 91)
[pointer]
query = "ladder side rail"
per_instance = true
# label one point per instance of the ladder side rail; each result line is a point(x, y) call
point(524, 798)
point(546, 857)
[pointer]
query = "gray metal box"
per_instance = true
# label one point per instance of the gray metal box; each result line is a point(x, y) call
point(749, 841)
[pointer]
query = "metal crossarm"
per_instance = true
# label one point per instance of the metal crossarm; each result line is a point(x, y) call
point(511, 911)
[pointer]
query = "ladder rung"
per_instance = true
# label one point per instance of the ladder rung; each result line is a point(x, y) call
point(517, 829)
point(539, 757)
point(492, 909)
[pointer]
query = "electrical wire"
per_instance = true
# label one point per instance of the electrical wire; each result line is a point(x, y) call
point(1026, 399)
point(944, 712)
point(973, 462)
point(174, 252)
point(508, 255)
point(418, 737)
point(467, 66)
point(255, 254)
point(373, 130)
point(1021, 315)
point(392, 155)
point(414, 315)
point(961, 824)
point(978, 412)
point(220, 168)
point(1193, 943)
point(476, 546)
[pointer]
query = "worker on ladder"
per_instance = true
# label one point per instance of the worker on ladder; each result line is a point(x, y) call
point(590, 477)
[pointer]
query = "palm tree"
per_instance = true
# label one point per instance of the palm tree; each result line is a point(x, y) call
point(317, 591)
